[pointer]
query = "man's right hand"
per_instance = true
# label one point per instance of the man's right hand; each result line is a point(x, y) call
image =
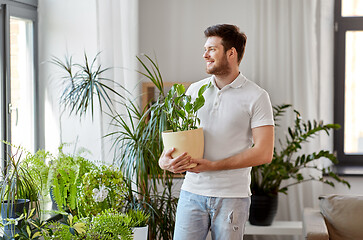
point(175, 165)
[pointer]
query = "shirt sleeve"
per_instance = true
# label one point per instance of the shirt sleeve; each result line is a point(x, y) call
point(262, 114)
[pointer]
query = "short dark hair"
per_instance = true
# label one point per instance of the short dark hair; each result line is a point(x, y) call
point(231, 37)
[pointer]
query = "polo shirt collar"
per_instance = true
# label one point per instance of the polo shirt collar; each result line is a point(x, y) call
point(237, 83)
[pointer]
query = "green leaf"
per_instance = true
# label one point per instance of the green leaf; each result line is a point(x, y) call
point(203, 89)
point(180, 89)
point(188, 107)
point(198, 103)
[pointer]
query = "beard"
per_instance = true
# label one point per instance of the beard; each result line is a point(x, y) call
point(222, 68)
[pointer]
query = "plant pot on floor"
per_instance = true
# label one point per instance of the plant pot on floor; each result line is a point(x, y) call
point(263, 209)
point(190, 141)
point(12, 210)
point(140, 233)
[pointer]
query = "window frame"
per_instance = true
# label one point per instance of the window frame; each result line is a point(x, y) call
point(349, 164)
point(23, 9)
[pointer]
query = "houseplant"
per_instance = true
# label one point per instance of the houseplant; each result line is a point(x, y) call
point(85, 84)
point(18, 191)
point(267, 180)
point(65, 177)
point(30, 227)
point(137, 140)
point(38, 167)
point(181, 113)
point(138, 220)
point(102, 188)
point(58, 176)
point(138, 146)
point(108, 224)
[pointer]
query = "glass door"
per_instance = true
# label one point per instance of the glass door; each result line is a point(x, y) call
point(21, 105)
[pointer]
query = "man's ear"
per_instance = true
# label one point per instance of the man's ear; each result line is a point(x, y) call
point(232, 53)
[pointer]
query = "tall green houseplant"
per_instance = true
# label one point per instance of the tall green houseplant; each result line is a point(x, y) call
point(139, 145)
point(288, 163)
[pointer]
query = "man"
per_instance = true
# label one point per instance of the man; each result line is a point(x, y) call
point(238, 127)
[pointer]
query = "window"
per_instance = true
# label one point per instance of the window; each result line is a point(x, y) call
point(18, 71)
point(348, 141)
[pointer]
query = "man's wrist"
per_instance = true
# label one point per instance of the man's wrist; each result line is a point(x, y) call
point(214, 165)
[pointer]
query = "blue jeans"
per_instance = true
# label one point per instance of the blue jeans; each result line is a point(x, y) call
point(224, 217)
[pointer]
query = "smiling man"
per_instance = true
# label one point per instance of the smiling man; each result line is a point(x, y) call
point(238, 127)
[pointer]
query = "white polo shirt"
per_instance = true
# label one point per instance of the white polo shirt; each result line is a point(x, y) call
point(227, 118)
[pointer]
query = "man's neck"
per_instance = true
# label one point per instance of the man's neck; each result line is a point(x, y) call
point(224, 80)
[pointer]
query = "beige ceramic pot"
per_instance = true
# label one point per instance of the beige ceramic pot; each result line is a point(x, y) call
point(191, 141)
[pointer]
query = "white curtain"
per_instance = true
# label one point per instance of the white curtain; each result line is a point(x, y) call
point(117, 40)
point(293, 61)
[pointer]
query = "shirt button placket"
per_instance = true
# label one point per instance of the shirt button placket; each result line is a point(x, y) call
point(217, 100)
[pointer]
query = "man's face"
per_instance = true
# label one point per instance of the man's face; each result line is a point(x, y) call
point(215, 57)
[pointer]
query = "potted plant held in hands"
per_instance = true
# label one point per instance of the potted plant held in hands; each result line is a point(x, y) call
point(181, 112)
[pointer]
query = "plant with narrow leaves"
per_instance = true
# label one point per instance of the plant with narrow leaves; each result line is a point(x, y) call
point(181, 110)
point(286, 163)
point(85, 84)
point(17, 182)
point(136, 218)
point(138, 145)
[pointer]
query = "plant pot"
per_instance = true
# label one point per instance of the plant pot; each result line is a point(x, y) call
point(140, 233)
point(190, 141)
point(263, 209)
point(12, 210)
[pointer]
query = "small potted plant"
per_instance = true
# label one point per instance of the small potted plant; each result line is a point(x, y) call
point(137, 220)
point(181, 113)
point(18, 192)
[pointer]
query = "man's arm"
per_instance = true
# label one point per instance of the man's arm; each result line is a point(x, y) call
point(260, 153)
point(175, 165)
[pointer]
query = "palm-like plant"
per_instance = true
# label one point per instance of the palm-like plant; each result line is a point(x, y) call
point(138, 143)
point(85, 84)
point(286, 164)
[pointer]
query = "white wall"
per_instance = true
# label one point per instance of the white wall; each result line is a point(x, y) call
point(174, 31)
point(356, 187)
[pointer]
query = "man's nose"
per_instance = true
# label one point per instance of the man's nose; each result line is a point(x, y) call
point(205, 54)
